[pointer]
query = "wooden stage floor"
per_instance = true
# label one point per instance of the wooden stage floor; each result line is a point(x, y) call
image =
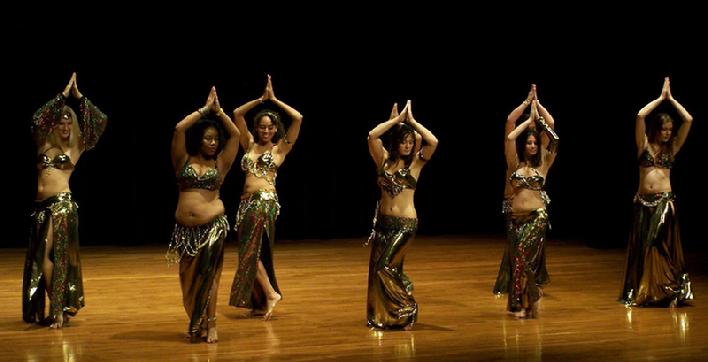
point(134, 312)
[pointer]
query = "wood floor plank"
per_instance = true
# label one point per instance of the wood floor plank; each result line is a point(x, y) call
point(134, 309)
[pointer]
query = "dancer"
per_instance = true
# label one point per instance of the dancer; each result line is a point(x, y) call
point(63, 129)
point(255, 285)
point(529, 219)
point(201, 156)
point(390, 301)
point(655, 271)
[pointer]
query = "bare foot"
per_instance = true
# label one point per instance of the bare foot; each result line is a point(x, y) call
point(674, 303)
point(57, 324)
point(212, 336)
point(408, 327)
point(271, 305)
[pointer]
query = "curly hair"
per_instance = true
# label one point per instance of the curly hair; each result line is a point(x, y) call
point(194, 135)
point(275, 118)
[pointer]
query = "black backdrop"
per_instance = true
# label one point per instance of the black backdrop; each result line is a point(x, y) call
point(464, 76)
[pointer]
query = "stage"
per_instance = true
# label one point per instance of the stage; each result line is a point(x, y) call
point(134, 312)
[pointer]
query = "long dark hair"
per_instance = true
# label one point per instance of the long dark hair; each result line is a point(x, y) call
point(193, 136)
point(535, 160)
point(275, 117)
point(398, 134)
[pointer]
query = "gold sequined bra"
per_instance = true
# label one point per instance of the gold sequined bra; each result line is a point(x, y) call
point(395, 182)
point(662, 160)
point(189, 179)
point(61, 161)
point(261, 168)
point(533, 182)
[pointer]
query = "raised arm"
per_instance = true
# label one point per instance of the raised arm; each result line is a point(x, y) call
point(286, 143)
point(418, 137)
point(376, 148)
point(549, 138)
point(518, 111)
point(230, 150)
point(92, 122)
point(686, 117)
point(431, 142)
point(179, 148)
point(524, 125)
point(640, 128)
point(47, 116)
point(550, 149)
point(547, 123)
point(512, 158)
point(246, 137)
point(543, 112)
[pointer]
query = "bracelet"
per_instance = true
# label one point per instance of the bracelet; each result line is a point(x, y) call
point(202, 113)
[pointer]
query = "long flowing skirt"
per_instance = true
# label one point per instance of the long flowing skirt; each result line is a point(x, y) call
point(501, 285)
point(56, 217)
point(200, 253)
point(655, 271)
point(390, 302)
point(255, 222)
point(526, 261)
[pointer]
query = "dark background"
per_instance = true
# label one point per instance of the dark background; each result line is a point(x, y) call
point(464, 70)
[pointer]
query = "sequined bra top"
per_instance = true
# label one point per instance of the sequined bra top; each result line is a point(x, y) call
point(189, 179)
point(395, 182)
point(662, 160)
point(534, 182)
point(261, 168)
point(61, 161)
